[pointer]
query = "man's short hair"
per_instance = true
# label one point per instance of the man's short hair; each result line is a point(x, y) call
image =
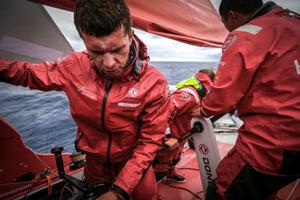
point(101, 17)
point(242, 6)
point(208, 72)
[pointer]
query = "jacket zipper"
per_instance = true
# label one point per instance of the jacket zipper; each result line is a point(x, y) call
point(107, 90)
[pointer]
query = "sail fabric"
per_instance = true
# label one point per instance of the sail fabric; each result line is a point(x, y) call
point(194, 22)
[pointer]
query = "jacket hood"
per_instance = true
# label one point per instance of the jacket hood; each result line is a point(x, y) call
point(263, 10)
point(139, 62)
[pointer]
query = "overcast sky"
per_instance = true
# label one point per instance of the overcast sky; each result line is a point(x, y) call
point(160, 49)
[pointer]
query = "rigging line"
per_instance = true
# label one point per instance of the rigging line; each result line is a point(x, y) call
point(66, 186)
point(187, 168)
point(53, 171)
point(293, 190)
point(40, 178)
point(198, 193)
point(35, 182)
point(42, 161)
point(68, 145)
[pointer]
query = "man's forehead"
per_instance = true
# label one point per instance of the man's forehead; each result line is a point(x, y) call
point(113, 41)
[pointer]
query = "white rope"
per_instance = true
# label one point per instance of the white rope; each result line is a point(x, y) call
point(293, 190)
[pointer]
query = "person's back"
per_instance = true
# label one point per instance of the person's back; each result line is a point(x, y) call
point(270, 107)
point(272, 52)
point(258, 75)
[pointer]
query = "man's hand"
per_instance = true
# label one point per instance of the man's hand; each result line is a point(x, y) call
point(108, 196)
point(172, 143)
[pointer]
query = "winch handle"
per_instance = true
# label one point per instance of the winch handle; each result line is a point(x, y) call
point(197, 128)
point(78, 184)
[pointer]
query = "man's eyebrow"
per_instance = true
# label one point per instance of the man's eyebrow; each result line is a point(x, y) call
point(118, 47)
point(100, 50)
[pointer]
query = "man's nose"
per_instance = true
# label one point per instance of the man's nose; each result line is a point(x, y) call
point(108, 60)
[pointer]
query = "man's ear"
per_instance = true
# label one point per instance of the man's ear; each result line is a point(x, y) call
point(232, 15)
point(236, 19)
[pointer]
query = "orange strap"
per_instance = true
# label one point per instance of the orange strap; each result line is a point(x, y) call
point(49, 184)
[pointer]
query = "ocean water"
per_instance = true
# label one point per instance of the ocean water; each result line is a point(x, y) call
point(178, 71)
point(43, 118)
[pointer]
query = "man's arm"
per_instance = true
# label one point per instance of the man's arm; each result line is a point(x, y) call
point(152, 130)
point(44, 76)
point(184, 100)
point(234, 75)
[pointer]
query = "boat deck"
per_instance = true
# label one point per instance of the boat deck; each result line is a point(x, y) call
point(24, 159)
point(187, 167)
point(193, 189)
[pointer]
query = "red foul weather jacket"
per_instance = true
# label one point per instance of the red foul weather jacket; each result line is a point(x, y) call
point(259, 75)
point(184, 101)
point(121, 122)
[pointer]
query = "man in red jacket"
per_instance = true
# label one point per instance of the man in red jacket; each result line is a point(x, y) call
point(259, 75)
point(184, 101)
point(117, 99)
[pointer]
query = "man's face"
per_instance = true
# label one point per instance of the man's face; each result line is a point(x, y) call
point(109, 54)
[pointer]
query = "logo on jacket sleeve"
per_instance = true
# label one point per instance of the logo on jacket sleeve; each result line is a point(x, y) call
point(185, 95)
point(229, 42)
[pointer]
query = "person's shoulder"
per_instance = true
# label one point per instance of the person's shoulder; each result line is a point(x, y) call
point(75, 57)
point(255, 26)
point(246, 34)
point(73, 61)
point(265, 23)
point(249, 29)
point(79, 54)
point(154, 70)
point(153, 75)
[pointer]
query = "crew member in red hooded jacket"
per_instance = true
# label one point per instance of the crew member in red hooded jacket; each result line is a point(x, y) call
point(259, 75)
point(184, 101)
point(117, 99)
